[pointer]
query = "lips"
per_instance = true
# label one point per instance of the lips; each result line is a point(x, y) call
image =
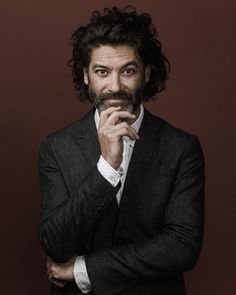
point(116, 99)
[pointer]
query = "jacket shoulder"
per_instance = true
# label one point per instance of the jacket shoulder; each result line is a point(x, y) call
point(77, 128)
point(168, 129)
point(172, 138)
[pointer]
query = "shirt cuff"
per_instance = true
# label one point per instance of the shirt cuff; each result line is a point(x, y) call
point(81, 275)
point(108, 172)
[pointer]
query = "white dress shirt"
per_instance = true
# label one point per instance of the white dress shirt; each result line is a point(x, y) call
point(113, 176)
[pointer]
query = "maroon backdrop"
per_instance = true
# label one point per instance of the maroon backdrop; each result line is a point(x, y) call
point(37, 97)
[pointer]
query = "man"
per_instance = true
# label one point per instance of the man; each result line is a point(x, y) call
point(122, 209)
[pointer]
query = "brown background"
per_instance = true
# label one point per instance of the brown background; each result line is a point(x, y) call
point(37, 97)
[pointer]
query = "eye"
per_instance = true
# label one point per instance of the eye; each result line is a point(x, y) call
point(101, 72)
point(129, 71)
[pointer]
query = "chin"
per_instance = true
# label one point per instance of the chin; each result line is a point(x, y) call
point(125, 106)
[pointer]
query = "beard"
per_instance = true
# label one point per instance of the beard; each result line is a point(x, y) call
point(128, 101)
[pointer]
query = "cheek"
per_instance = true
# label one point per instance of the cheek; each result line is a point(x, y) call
point(97, 85)
point(134, 83)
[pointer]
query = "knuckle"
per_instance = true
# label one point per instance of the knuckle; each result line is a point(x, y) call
point(54, 270)
point(109, 136)
point(56, 275)
point(116, 114)
point(105, 133)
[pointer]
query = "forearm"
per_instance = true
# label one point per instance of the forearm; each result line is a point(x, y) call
point(167, 254)
point(67, 218)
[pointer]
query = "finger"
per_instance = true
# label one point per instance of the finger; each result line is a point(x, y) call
point(54, 267)
point(123, 125)
point(116, 116)
point(106, 113)
point(118, 132)
point(57, 282)
point(54, 274)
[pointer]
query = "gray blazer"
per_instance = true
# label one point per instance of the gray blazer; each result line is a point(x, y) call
point(144, 245)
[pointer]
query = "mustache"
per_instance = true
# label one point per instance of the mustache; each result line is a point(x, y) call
point(116, 95)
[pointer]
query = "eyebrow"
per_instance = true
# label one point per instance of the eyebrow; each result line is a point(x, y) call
point(130, 63)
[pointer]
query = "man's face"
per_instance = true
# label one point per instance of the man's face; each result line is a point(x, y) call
point(116, 76)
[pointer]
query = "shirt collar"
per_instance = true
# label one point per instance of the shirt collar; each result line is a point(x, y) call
point(136, 125)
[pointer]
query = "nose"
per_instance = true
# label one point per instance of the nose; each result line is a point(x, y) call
point(114, 83)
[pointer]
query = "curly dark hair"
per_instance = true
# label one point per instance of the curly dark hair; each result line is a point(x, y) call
point(119, 27)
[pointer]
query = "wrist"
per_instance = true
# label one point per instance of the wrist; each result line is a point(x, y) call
point(115, 164)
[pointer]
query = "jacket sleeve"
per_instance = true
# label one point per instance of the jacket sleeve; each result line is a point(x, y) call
point(67, 217)
point(173, 251)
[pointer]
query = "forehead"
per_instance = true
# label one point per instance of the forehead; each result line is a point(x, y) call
point(114, 56)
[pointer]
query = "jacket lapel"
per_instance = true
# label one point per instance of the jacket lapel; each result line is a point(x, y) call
point(140, 161)
point(86, 136)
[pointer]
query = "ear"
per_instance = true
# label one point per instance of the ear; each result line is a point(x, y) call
point(86, 79)
point(147, 73)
